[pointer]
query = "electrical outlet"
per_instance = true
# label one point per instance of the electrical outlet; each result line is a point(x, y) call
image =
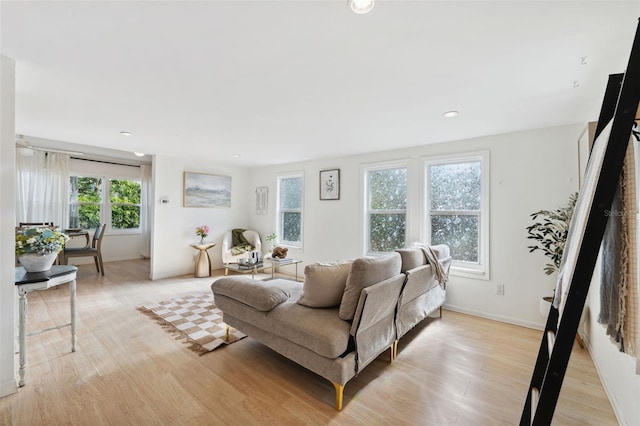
point(500, 289)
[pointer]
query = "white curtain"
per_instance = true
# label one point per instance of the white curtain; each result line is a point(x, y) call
point(42, 188)
point(146, 202)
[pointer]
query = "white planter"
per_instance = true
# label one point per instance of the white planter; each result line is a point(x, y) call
point(34, 262)
point(545, 305)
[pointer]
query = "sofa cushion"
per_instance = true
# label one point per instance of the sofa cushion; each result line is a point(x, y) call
point(260, 295)
point(324, 284)
point(319, 330)
point(411, 258)
point(366, 271)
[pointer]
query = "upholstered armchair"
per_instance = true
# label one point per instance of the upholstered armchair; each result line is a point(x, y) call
point(252, 238)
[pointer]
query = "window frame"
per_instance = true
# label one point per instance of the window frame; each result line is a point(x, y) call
point(105, 204)
point(365, 170)
point(461, 268)
point(280, 211)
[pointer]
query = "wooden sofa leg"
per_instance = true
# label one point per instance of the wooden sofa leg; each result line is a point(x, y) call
point(394, 350)
point(440, 311)
point(226, 333)
point(339, 392)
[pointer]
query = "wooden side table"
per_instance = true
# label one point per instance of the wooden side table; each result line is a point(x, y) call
point(32, 281)
point(203, 262)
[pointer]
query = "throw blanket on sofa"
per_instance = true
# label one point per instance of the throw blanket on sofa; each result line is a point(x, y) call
point(432, 259)
point(239, 243)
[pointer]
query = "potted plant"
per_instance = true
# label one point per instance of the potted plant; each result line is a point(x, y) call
point(272, 241)
point(37, 248)
point(549, 233)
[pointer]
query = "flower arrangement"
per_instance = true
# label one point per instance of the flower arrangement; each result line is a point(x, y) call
point(202, 232)
point(40, 240)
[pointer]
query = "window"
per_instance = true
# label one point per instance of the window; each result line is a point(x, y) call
point(456, 209)
point(386, 207)
point(124, 199)
point(290, 196)
point(96, 200)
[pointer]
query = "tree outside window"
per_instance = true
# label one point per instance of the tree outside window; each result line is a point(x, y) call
point(290, 197)
point(92, 203)
point(124, 197)
point(386, 209)
point(457, 210)
point(86, 202)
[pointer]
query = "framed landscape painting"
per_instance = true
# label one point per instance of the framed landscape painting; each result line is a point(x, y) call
point(203, 190)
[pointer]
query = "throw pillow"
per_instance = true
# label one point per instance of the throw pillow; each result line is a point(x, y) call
point(324, 284)
point(411, 258)
point(260, 295)
point(364, 272)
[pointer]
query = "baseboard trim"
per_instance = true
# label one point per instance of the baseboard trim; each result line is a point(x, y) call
point(501, 318)
point(8, 388)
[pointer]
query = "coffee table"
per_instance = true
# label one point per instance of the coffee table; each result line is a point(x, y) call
point(264, 265)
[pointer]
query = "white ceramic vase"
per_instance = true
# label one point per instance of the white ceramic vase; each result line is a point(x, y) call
point(35, 262)
point(545, 305)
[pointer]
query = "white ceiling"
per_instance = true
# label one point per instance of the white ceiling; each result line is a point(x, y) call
point(284, 81)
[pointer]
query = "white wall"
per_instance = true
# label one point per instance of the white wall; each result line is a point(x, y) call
point(8, 297)
point(616, 369)
point(174, 225)
point(620, 373)
point(530, 171)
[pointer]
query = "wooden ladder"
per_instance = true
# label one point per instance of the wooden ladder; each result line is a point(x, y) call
point(620, 103)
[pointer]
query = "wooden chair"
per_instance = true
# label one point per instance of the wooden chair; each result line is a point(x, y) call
point(92, 250)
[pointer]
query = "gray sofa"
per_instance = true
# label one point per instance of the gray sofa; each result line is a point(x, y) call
point(422, 293)
point(335, 324)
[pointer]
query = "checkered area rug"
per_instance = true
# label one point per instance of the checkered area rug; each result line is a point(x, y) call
point(193, 318)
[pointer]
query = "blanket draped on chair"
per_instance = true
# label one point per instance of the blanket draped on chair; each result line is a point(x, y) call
point(239, 243)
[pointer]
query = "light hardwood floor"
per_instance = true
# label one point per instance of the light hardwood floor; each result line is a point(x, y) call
point(458, 370)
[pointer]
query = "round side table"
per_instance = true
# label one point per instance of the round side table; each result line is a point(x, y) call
point(203, 262)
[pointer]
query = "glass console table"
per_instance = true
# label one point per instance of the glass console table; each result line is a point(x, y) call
point(264, 265)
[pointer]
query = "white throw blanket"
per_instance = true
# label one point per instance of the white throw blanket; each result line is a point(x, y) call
point(432, 259)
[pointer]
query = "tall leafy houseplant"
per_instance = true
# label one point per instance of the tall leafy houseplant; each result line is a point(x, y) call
point(550, 232)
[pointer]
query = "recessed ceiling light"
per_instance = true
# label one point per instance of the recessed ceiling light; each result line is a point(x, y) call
point(450, 114)
point(361, 6)
point(123, 133)
point(236, 155)
point(139, 154)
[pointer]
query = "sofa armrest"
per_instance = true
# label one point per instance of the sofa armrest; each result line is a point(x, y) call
point(373, 327)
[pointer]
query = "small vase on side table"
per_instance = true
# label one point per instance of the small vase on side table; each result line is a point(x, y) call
point(203, 262)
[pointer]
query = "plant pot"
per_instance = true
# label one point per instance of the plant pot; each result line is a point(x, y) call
point(35, 262)
point(545, 305)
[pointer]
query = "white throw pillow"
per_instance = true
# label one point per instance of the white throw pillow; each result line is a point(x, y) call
point(324, 284)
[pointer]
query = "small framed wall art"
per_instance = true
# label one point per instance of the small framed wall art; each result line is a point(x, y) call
point(330, 184)
point(262, 199)
point(203, 190)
